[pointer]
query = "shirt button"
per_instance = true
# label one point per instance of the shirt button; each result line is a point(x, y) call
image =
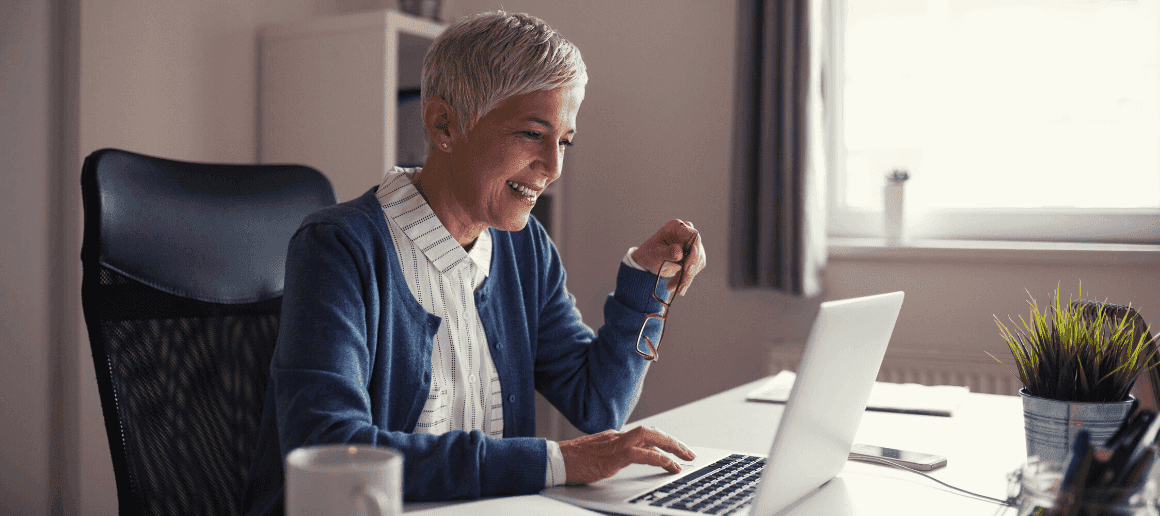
point(472, 378)
point(512, 398)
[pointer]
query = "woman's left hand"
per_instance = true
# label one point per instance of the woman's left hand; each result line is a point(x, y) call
point(670, 244)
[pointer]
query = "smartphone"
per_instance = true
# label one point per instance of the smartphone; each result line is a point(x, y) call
point(916, 460)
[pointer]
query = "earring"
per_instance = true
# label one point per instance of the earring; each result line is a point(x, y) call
point(444, 145)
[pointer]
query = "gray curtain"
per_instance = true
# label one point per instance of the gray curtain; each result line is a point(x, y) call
point(780, 205)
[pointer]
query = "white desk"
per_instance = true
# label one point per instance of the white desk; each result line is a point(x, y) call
point(983, 442)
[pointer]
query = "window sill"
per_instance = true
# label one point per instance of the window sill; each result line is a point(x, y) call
point(875, 249)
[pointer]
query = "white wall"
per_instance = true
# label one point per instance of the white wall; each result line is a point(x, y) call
point(24, 150)
point(176, 79)
point(654, 142)
point(38, 271)
point(952, 302)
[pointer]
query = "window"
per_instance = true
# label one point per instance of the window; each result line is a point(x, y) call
point(1016, 119)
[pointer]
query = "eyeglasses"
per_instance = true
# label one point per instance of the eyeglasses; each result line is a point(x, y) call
point(654, 323)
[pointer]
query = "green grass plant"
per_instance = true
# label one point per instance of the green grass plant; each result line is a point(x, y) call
point(1083, 351)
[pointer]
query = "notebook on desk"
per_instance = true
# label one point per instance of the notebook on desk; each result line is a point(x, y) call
point(838, 367)
point(903, 398)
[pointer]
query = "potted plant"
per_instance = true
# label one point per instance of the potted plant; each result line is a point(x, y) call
point(1078, 363)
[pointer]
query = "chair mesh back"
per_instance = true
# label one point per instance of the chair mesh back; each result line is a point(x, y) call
point(189, 380)
point(183, 268)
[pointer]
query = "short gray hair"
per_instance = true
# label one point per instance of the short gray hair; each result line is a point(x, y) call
point(485, 59)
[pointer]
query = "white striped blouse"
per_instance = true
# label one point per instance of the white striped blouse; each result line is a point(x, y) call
point(465, 388)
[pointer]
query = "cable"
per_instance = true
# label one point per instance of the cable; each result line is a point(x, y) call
point(882, 461)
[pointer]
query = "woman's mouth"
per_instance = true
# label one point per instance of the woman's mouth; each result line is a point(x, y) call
point(523, 191)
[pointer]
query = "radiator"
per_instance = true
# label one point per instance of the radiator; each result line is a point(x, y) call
point(978, 373)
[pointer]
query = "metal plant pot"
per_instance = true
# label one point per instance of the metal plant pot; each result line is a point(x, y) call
point(1052, 425)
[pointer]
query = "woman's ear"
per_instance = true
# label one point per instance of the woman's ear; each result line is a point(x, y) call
point(441, 122)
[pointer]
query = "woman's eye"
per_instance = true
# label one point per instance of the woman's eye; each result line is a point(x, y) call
point(538, 136)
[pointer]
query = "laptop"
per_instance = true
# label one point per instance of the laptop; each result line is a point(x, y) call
point(838, 367)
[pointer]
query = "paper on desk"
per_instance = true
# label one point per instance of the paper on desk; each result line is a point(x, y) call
point(909, 398)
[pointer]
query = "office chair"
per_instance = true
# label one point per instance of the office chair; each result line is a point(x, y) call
point(183, 267)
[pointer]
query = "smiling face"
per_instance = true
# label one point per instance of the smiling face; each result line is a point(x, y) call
point(512, 154)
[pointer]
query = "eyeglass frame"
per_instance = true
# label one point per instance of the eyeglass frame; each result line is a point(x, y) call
point(654, 350)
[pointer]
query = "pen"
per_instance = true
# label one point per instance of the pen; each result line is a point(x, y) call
point(1136, 422)
point(1078, 451)
point(1141, 445)
point(1072, 491)
point(1133, 481)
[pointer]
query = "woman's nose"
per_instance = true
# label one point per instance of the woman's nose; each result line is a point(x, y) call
point(553, 161)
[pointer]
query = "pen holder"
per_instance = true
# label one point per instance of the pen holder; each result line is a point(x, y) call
point(1035, 489)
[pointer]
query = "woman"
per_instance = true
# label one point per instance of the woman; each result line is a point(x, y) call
point(424, 315)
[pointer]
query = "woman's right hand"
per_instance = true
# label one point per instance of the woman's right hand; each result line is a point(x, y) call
point(668, 244)
point(599, 456)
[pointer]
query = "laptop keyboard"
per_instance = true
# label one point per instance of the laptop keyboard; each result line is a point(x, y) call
point(723, 487)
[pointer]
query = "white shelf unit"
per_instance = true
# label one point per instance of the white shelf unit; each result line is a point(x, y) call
point(329, 94)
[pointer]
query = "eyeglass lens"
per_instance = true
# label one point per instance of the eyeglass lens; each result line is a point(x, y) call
point(652, 331)
point(661, 290)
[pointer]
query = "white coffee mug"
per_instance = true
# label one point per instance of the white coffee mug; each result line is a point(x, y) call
point(344, 479)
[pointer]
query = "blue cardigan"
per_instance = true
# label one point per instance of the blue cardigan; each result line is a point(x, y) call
point(353, 359)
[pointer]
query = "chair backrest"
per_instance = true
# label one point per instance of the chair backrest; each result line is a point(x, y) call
point(183, 267)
